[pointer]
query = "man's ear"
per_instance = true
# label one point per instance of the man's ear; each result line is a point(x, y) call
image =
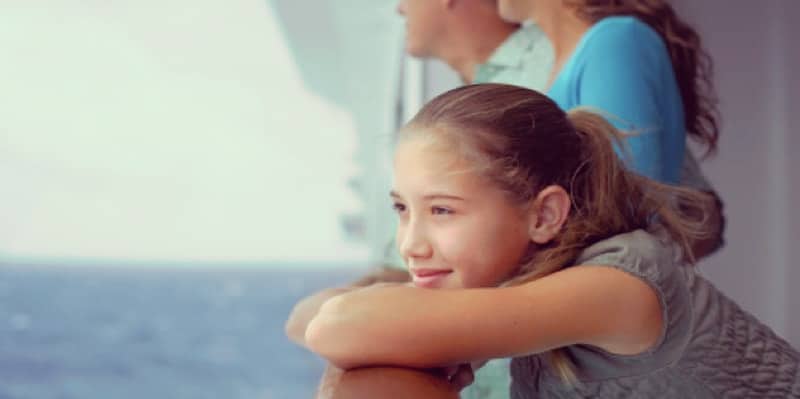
point(547, 214)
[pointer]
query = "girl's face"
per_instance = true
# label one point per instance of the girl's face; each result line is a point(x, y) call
point(456, 229)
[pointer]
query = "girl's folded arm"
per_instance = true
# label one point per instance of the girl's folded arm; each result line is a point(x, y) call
point(413, 327)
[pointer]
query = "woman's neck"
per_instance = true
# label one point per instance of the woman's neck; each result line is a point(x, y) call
point(564, 28)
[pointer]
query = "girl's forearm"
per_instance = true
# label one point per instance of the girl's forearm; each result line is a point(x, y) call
point(365, 327)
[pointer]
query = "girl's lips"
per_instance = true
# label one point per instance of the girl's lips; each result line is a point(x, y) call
point(429, 278)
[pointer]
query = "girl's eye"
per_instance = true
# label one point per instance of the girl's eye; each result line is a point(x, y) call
point(398, 207)
point(438, 210)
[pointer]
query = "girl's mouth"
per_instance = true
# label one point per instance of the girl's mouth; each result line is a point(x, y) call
point(429, 278)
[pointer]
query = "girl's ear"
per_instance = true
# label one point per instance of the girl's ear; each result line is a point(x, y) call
point(548, 213)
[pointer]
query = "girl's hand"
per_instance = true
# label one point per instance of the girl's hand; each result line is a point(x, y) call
point(307, 309)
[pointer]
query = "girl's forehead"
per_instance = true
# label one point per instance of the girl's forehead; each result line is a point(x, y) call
point(427, 153)
point(424, 164)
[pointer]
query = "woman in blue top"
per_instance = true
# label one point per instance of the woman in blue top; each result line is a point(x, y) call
point(638, 63)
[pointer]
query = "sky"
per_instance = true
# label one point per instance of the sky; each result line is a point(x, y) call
point(176, 130)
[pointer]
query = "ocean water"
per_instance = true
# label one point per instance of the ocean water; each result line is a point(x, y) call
point(125, 333)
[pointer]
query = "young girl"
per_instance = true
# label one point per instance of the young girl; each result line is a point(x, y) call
point(527, 238)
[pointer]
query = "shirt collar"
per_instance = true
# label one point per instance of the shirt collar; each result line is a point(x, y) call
point(523, 40)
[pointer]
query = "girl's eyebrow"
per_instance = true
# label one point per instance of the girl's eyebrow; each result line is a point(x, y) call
point(430, 196)
point(443, 196)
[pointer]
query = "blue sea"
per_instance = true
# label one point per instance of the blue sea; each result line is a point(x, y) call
point(133, 333)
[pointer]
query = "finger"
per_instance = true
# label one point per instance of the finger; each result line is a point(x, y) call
point(443, 372)
point(463, 377)
point(449, 371)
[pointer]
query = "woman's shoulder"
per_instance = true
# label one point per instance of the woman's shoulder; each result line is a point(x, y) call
point(622, 27)
point(622, 34)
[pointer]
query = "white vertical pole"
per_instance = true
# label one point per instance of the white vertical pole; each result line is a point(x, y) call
point(414, 87)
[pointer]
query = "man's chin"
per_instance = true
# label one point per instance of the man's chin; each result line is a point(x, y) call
point(509, 16)
point(416, 51)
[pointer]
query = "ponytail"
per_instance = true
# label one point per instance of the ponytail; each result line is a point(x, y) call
point(680, 212)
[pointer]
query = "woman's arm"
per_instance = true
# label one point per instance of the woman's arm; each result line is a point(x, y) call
point(413, 327)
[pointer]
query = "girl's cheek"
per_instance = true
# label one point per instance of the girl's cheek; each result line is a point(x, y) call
point(452, 245)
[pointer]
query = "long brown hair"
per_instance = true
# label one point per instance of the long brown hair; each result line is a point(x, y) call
point(522, 141)
point(692, 65)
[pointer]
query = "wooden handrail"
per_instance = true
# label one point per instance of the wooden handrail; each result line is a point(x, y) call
point(383, 383)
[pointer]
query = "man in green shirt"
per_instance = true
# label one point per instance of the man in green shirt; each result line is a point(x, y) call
point(470, 37)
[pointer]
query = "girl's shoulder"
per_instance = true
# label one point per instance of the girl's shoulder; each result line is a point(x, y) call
point(638, 251)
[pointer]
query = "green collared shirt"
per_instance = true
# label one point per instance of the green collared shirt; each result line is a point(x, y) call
point(524, 59)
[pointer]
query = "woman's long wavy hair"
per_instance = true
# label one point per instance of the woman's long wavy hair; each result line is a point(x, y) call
point(522, 142)
point(692, 65)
